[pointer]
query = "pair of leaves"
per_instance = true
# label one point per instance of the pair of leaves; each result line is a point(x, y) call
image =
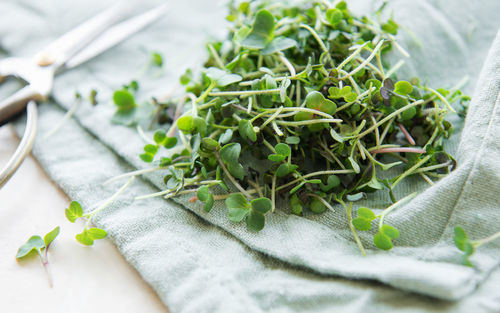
point(364, 219)
point(204, 195)
point(464, 244)
point(383, 238)
point(149, 153)
point(160, 137)
point(344, 93)
point(188, 124)
point(282, 152)
point(230, 155)
point(36, 243)
point(316, 101)
point(253, 212)
point(261, 35)
point(88, 236)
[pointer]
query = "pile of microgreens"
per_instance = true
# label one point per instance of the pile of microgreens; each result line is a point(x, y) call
point(298, 104)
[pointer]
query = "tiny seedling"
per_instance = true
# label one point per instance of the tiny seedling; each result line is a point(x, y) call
point(41, 246)
point(467, 246)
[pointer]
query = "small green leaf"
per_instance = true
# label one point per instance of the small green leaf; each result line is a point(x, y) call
point(317, 206)
point(34, 243)
point(382, 241)
point(336, 136)
point(226, 136)
point(84, 238)
point(157, 59)
point(209, 144)
point(361, 223)
point(230, 153)
point(221, 77)
point(261, 205)
point(296, 205)
point(276, 157)
point(285, 169)
point(148, 158)
point(366, 213)
point(389, 231)
point(124, 100)
point(96, 233)
point(152, 149)
point(237, 200)
point(460, 238)
point(74, 211)
point(159, 136)
point(237, 214)
point(255, 221)
point(279, 44)
point(354, 165)
point(391, 27)
point(316, 101)
point(186, 123)
point(203, 193)
point(170, 142)
point(236, 170)
point(332, 182)
point(283, 149)
point(292, 140)
point(209, 203)
point(245, 128)
point(50, 236)
point(333, 16)
point(403, 88)
point(262, 31)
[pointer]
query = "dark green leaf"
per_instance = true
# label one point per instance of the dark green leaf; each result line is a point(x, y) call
point(262, 205)
point(255, 221)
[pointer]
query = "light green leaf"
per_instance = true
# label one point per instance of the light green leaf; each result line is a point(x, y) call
point(74, 211)
point(84, 238)
point(262, 31)
point(96, 233)
point(279, 44)
point(34, 243)
point(50, 236)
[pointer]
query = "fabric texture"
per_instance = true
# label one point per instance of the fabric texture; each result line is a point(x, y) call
point(199, 262)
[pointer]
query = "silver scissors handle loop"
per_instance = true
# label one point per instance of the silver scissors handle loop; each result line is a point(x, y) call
point(25, 145)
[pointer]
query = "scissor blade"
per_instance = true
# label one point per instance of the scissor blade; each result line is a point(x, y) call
point(116, 34)
point(69, 44)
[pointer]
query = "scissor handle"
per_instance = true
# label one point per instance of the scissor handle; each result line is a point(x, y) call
point(25, 145)
point(16, 103)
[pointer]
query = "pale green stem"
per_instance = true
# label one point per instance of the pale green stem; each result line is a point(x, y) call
point(109, 201)
point(411, 170)
point(388, 117)
point(243, 92)
point(394, 206)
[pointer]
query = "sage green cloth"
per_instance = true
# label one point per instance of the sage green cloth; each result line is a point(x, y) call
point(199, 262)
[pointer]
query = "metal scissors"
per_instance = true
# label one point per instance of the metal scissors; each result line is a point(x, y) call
point(68, 51)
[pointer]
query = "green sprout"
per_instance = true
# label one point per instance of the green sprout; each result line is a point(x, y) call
point(41, 246)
